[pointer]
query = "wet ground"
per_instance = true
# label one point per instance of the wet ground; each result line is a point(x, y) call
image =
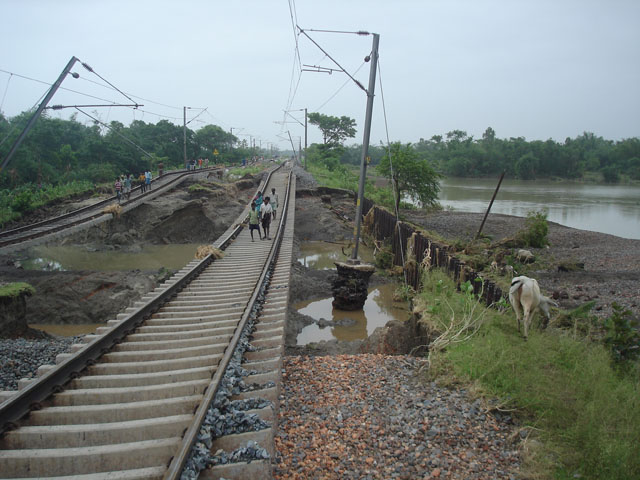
point(78, 257)
point(356, 325)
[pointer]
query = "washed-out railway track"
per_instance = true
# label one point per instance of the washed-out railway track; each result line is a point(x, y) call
point(129, 402)
point(28, 235)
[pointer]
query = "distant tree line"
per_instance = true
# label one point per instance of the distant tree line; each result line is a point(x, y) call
point(458, 154)
point(60, 151)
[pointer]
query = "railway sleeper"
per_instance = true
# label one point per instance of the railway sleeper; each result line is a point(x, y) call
point(135, 380)
point(238, 471)
point(74, 436)
point(188, 342)
point(86, 460)
point(116, 395)
point(153, 366)
point(185, 324)
point(164, 354)
point(122, 412)
point(159, 337)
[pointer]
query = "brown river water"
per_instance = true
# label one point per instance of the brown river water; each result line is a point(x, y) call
point(378, 309)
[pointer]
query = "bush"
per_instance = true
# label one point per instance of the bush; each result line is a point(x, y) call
point(587, 414)
point(384, 258)
point(610, 174)
point(536, 230)
point(622, 337)
point(23, 202)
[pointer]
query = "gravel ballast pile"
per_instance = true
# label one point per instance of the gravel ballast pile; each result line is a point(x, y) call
point(372, 417)
point(20, 358)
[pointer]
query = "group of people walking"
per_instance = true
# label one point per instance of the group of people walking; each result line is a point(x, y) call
point(125, 183)
point(263, 209)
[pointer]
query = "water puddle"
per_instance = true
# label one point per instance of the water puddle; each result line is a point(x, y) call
point(69, 257)
point(378, 310)
point(67, 330)
point(322, 255)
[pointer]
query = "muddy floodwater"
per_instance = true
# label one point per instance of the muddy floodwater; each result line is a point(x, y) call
point(322, 255)
point(68, 257)
point(378, 310)
point(606, 208)
point(68, 330)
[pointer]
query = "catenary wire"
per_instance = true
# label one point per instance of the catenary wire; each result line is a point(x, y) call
point(5, 91)
point(393, 185)
point(15, 127)
point(60, 88)
point(116, 132)
point(89, 68)
point(131, 94)
point(340, 88)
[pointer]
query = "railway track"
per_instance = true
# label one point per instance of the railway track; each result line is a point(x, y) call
point(85, 217)
point(143, 397)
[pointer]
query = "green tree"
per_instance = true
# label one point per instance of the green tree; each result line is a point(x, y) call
point(334, 130)
point(526, 166)
point(410, 174)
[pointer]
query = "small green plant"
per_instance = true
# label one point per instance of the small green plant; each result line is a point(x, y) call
point(15, 289)
point(536, 230)
point(384, 258)
point(622, 336)
point(403, 292)
point(196, 187)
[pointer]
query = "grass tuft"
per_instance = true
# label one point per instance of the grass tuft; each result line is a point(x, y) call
point(585, 412)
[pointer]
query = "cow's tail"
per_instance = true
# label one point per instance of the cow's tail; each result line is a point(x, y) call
point(516, 283)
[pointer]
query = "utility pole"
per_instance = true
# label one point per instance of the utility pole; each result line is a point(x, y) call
point(41, 107)
point(184, 131)
point(292, 148)
point(305, 138)
point(365, 145)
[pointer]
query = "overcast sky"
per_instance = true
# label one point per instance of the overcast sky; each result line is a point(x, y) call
point(537, 69)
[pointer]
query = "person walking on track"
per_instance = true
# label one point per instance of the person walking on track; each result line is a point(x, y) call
point(265, 211)
point(254, 223)
point(273, 200)
point(118, 187)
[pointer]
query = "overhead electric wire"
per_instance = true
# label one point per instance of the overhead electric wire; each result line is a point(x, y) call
point(60, 88)
point(105, 80)
point(393, 185)
point(5, 92)
point(340, 88)
point(15, 127)
point(100, 98)
point(117, 133)
point(294, 21)
point(359, 32)
point(197, 116)
point(131, 94)
point(333, 60)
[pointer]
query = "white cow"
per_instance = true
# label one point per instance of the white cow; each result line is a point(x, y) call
point(525, 297)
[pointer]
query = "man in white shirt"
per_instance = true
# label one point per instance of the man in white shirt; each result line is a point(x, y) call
point(265, 213)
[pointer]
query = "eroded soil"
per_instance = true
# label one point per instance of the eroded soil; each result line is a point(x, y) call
point(87, 297)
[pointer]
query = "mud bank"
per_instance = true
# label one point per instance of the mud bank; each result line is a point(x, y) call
point(194, 212)
point(611, 270)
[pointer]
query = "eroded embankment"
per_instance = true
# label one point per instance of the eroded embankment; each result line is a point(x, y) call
point(195, 212)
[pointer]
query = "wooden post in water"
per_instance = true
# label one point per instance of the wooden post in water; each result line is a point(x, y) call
point(489, 208)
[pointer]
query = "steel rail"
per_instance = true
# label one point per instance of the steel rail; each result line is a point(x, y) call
point(79, 211)
point(177, 464)
point(31, 397)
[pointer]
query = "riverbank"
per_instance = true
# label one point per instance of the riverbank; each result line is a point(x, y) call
point(610, 265)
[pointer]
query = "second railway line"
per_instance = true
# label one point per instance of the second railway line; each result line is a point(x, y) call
point(130, 409)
